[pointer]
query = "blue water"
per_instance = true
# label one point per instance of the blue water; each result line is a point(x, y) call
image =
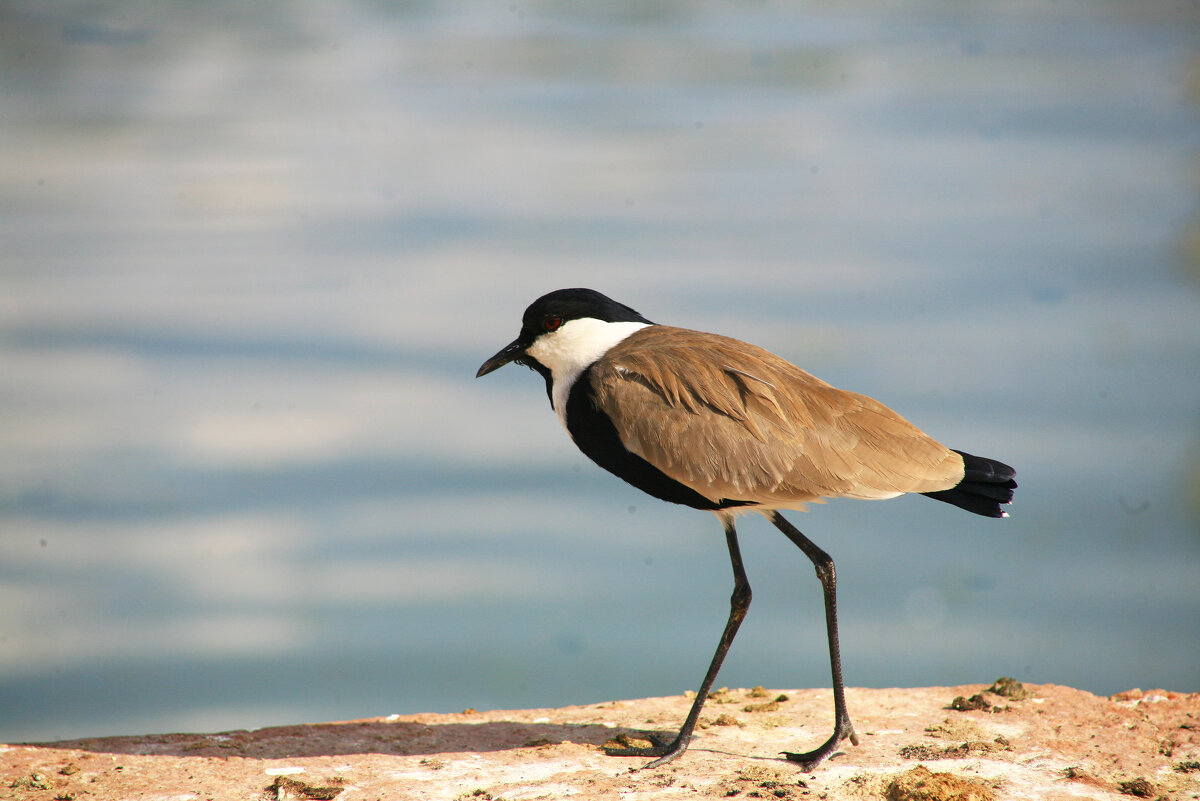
point(253, 255)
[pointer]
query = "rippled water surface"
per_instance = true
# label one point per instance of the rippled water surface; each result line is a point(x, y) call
point(252, 254)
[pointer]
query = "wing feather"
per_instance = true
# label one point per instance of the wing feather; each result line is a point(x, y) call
point(736, 422)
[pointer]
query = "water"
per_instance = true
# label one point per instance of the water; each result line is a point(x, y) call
point(253, 255)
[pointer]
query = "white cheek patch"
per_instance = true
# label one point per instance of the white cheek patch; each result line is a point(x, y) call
point(573, 348)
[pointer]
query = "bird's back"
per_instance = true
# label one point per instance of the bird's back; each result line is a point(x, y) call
point(735, 422)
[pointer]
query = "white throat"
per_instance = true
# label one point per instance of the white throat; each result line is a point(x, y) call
point(573, 348)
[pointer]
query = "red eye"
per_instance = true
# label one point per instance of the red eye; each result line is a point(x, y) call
point(552, 322)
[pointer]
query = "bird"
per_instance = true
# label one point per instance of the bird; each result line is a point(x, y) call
point(720, 425)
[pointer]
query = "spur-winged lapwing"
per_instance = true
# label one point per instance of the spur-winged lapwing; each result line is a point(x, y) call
point(717, 424)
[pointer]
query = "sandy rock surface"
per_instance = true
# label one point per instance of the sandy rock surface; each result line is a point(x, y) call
point(916, 744)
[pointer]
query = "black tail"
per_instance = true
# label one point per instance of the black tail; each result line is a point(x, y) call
point(986, 485)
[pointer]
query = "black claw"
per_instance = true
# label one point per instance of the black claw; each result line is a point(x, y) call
point(662, 760)
point(810, 759)
point(663, 750)
point(659, 742)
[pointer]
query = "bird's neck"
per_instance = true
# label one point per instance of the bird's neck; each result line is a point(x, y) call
point(574, 348)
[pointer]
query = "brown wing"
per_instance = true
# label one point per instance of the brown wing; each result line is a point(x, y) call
point(736, 422)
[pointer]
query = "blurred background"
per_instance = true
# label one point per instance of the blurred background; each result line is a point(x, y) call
point(251, 256)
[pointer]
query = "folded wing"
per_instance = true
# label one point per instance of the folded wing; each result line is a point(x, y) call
point(736, 422)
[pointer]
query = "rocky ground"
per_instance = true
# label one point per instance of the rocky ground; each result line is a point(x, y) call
point(971, 742)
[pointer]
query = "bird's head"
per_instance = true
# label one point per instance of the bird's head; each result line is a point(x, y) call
point(563, 327)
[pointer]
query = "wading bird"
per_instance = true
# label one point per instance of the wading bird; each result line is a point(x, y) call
point(721, 425)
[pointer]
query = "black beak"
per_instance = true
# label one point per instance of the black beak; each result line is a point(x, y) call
point(510, 352)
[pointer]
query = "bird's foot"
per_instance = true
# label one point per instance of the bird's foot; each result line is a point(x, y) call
point(844, 730)
point(662, 749)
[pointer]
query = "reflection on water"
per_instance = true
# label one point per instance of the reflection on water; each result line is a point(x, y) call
point(252, 257)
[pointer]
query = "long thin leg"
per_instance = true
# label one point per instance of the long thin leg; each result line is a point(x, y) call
point(842, 727)
point(739, 602)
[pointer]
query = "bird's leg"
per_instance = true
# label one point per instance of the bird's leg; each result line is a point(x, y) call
point(739, 602)
point(842, 727)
